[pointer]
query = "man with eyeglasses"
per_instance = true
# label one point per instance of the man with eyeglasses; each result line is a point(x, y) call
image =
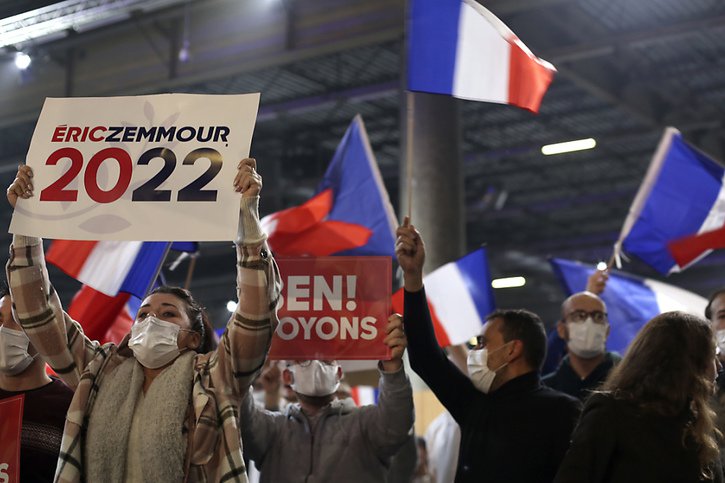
point(323, 439)
point(585, 328)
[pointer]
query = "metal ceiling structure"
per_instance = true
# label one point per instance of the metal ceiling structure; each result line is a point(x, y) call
point(627, 69)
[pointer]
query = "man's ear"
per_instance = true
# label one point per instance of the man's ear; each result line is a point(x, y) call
point(561, 330)
point(517, 350)
point(339, 373)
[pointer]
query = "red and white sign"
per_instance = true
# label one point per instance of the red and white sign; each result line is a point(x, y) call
point(152, 168)
point(11, 423)
point(333, 308)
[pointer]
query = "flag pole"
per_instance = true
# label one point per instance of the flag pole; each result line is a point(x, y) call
point(190, 272)
point(409, 115)
point(409, 107)
point(158, 270)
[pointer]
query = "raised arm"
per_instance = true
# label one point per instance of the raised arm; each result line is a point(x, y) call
point(452, 387)
point(259, 429)
point(58, 338)
point(387, 425)
point(246, 340)
point(597, 281)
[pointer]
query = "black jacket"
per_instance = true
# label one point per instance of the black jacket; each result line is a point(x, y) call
point(617, 442)
point(564, 379)
point(519, 433)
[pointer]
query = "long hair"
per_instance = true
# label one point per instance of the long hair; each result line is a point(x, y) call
point(197, 315)
point(665, 371)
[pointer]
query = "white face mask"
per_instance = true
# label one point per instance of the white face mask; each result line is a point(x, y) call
point(587, 339)
point(14, 356)
point(154, 342)
point(481, 375)
point(315, 378)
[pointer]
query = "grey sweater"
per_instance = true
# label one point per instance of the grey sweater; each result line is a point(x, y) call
point(348, 444)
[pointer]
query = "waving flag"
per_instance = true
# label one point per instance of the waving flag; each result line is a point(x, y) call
point(364, 395)
point(116, 276)
point(104, 318)
point(110, 267)
point(678, 215)
point(459, 48)
point(631, 301)
point(459, 298)
point(351, 213)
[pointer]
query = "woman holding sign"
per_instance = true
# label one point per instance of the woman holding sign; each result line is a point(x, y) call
point(155, 407)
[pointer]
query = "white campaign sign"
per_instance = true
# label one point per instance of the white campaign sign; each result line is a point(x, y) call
point(152, 168)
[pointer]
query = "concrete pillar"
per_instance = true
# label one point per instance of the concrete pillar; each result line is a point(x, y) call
point(437, 168)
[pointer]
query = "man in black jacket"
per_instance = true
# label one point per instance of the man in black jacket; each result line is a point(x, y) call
point(513, 428)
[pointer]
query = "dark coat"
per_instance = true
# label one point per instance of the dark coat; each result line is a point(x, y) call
point(617, 442)
point(518, 433)
point(564, 379)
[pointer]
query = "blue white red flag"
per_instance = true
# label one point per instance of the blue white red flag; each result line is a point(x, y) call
point(678, 215)
point(631, 300)
point(364, 395)
point(104, 318)
point(116, 276)
point(458, 48)
point(459, 298)
point(351, 213)
point(110, 267)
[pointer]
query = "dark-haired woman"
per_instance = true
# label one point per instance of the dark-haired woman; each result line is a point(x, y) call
point(652, 422)
point(156, 407)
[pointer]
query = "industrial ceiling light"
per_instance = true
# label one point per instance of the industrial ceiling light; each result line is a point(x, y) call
point(569, 146)
point(508, 282)
point(22, 60)
point(78, 15)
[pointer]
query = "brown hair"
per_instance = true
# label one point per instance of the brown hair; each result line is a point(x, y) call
point(665, 372)
point(197, 315)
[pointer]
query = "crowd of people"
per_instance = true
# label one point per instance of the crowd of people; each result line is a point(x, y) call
point(169, 403)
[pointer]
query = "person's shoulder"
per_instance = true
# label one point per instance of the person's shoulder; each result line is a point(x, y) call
point(59, 387)
point(614, 357)
point(550, 378)
point(559, 399)
point(603, 402)
point(562, 371)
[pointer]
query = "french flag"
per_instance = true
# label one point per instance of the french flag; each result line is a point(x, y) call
point(364, 395)
point(351, 213)
point(459, 298)
point(458, 48)
point(116, 276)
point(104, 318)
point(110, 267)
point(631, 300)
point(678, 215)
